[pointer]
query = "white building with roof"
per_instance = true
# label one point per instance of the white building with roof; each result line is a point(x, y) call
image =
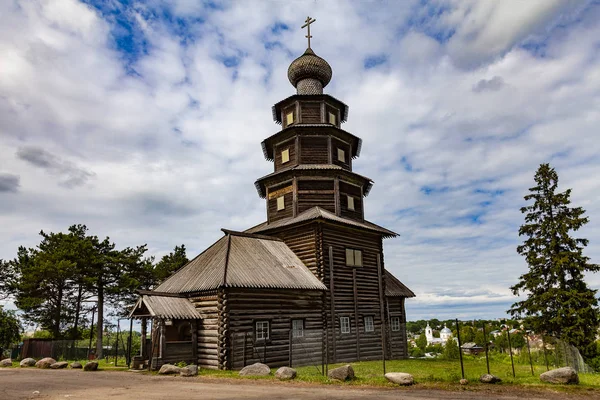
point(445, 334)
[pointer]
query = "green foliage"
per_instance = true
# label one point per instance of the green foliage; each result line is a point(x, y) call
point(558, 302)
point(416, 352)
point(42, 334)
point(421, 342)
point(451, 350)
point(170, 263)
point(434, 348)
point(10, 329)
point(181, 364)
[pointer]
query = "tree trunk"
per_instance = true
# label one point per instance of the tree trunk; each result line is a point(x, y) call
point(100, 321)
point(57, 314)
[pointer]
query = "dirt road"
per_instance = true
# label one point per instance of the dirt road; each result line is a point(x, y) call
point(75, 384)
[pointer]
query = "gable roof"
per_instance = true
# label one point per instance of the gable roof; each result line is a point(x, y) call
point(243, 260)
point(316, 213)
point(164, 307)
point(395, 288)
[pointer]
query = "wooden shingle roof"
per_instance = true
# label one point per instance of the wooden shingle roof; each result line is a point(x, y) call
point(395, 288)
point(164, 307)
point(246, 261)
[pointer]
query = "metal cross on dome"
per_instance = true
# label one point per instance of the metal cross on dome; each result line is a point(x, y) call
point(308, 21)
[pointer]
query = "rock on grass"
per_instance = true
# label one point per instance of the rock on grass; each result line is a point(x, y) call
point(565, 375)
point(342, 373)
point(400, 378)
point(256, 369)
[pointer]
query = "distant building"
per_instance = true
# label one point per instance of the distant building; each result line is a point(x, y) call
point(471, 348)
point(445, 334)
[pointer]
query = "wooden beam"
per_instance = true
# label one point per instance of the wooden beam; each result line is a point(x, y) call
point(154, 293)
point(332, 302)
point(381, 305)
point(355, 289)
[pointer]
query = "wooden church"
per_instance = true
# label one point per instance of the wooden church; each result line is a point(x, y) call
point(312, 275)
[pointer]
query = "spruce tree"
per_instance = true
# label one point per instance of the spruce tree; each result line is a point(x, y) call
point(559, 302)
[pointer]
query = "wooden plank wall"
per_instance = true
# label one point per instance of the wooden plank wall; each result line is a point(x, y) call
point(314, 150)
point(207, 330)
point(279, 307)
point(312, 193)
point(288, 211)
point(311, 112)
point(291, 146)
point(354, 191)
point(337, 144)
point(356, 294)
point(397, 340)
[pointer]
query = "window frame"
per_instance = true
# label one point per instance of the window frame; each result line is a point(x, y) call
point(331, 116)
point(289, 116)
point(395, 324)
point(287, 157)
point(342, 331)
point(351, 262)
point(341, 155)
point(267, 331)
point(372, 323)
point(350, 201)
point(295, 331)
point(281, 207)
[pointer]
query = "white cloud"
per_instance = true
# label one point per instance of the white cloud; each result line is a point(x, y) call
point(453, 129)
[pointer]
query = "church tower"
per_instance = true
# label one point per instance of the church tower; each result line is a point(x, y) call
point(315, 204)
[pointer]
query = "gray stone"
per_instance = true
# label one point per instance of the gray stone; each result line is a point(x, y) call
point(27, 362)
point(256, 369)
point(342, 373)
point(59, 365)
point(190, 370)
point(91, 366)
point(168, 369)
point(285, 373)
point(400, 378)
point(7, 362)
point(463, 382)
point(560, 375)
point(489, 378)
point(45, 362)
point(76, 365)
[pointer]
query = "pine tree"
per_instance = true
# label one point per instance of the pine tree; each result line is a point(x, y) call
point(558, 302)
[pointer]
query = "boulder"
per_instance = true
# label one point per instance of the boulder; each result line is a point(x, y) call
point(400, 378)
point(59, 365)
point(489, 378)
point(27, 362)
point(7, 362)
point(285, 373)
point(91, 366)
point(256, 369)
point(190, 370)
point(76, 365)
point(168, 369)
point(45, 362)
point(342, 373)
point(560, 375)
point(463, 382)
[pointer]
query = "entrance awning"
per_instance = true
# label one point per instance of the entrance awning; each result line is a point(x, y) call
point(149, 306)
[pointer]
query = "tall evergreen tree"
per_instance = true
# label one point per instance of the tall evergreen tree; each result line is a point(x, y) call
point(558, 302)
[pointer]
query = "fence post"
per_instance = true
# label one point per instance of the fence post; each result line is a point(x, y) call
point(117, 342)
point(510, 351)
point(290, 344)
point(545, 354)
point(264, 346)
point(487, 359)
point(326, 369)
point(244, 355)
point(462, 368)
point(129, 341)
point(529, 352)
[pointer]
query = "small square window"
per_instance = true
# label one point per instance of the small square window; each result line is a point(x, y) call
point(285, 156)
point(395, 324)
point(332, 118)
point(353, 258)
point(280, 203)
point(341, 155)
point(345, 324)
point(262, 330)
point(297, 328)
point(290, 118)
point(369, 324)
point(350, 203)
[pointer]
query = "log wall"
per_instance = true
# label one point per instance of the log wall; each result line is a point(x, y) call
point(312, 193)
point(314, 150)
point(207, 336)
point(398, 347)
point(311, 112)
point(290, 145)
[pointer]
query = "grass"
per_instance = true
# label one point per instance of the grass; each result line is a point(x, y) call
point(102, 364)
point(435, 374)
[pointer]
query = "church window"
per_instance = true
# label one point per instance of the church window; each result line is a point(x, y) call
point(262, 330)
point(341, 155)
point(354, 258)
point(285, 156)
point(297, 328)
point(395, 324)
point(345, 324)
point(332, 118)
point(280, 203)
point(290, 118)
point(350, 203)
point(369, 324)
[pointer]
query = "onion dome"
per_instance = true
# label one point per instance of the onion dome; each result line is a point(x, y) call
point(445, 330)
point(309, 73)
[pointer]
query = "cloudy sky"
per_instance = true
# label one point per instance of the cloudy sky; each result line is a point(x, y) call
point(143, 120)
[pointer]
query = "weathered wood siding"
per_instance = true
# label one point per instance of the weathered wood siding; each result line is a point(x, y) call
point(356, 294)
point(335, 145)
point(286, 190)
point(314, 150)
point(312, 193)
point(311, 112)
point(286, 110)
point(207, 339)
point(303, 242)
point(397, 339)
point(334, 111)
point(290, 145)
point(279, 307)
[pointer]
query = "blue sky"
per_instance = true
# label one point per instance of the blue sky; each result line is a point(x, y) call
point(143, 120)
